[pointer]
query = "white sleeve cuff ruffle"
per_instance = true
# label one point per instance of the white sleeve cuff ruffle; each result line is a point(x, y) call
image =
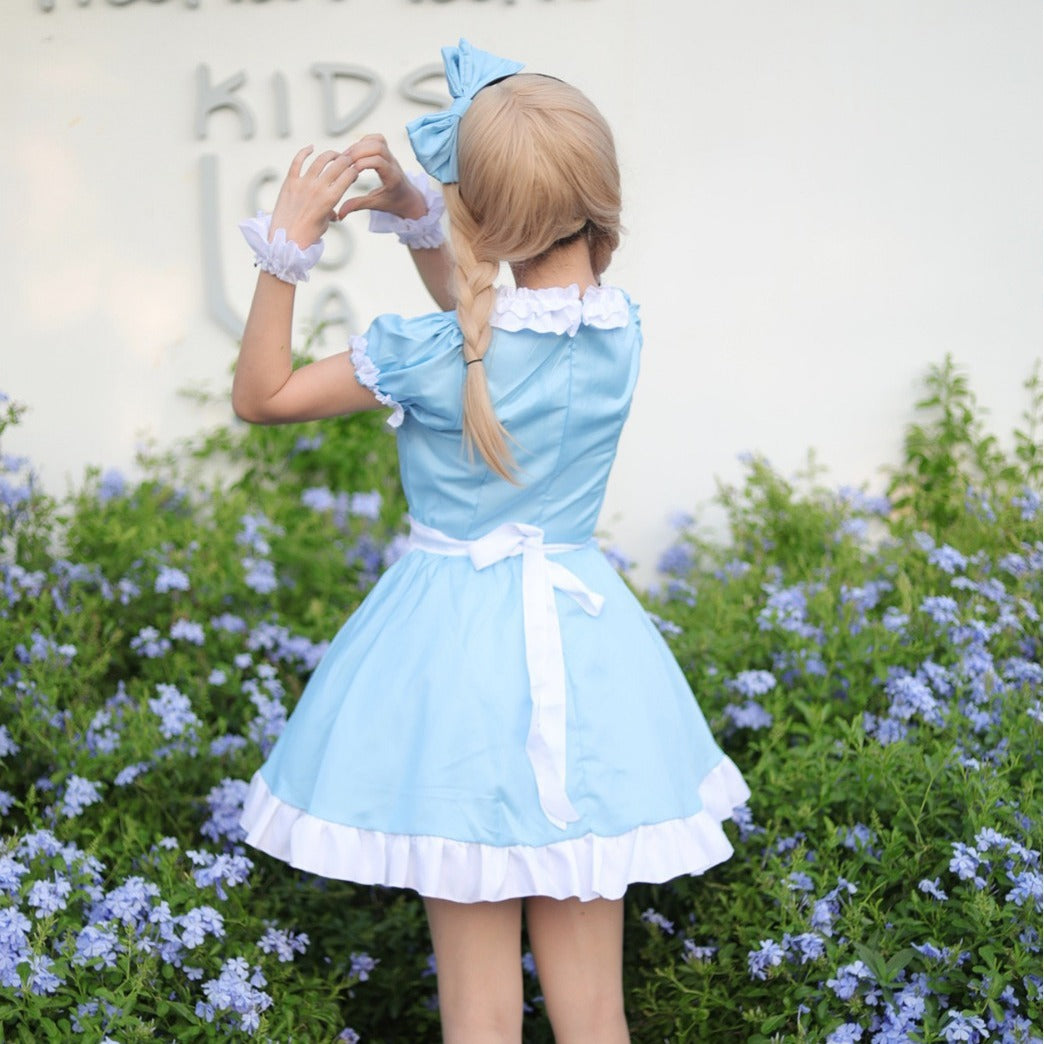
point(416, 233)
point(367, 374)
point(282, 257)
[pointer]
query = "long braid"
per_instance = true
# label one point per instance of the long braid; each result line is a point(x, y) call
point(474, 285)
point(537, 166)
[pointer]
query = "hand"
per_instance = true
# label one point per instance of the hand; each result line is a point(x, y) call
point(308, 199)
point(396, 194)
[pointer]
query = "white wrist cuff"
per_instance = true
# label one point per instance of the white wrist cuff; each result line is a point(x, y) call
point(282, 257)
point(423, 232)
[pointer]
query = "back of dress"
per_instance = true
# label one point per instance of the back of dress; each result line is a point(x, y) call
point(500, 717)
point(561, 370)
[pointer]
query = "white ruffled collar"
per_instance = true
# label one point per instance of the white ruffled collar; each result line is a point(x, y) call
point(560, 309)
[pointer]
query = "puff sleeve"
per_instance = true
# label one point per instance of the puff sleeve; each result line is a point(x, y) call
point(412, 365)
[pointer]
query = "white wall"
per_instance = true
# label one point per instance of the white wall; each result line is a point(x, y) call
point(823, 198)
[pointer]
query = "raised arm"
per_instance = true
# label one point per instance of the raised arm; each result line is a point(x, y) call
point(398, 196)
point(266, 389)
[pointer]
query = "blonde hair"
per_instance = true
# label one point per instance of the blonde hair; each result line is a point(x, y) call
point(537, 166)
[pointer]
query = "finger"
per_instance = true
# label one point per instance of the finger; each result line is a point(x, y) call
point(323, 161)
point(367, 202)
point(298, 160)
point(367, 145)
point(341, 175)
point(344, 181)
point(378, 164)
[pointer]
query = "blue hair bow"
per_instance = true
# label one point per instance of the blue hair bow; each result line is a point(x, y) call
point(434, 136)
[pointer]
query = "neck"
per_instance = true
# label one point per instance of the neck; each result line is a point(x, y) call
point(570, 263)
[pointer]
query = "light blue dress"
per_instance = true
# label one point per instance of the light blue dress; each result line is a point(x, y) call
point(500, 717)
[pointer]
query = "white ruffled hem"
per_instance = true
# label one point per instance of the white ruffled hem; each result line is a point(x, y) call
point(367, 374)
point(559, 309)
point(587, 867)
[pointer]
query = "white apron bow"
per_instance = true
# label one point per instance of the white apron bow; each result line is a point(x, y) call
point(541, 577)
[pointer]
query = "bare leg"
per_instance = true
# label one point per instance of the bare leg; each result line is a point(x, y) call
point(578, 948)
point(478, 961)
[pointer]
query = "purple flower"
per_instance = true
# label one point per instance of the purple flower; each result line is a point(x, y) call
point(129, 902)
point(174, 711)
point(41, 978)
point(808, 946)
point(964, 1028)
point(695, 954)
point(129, 773)
point(228, 622)
point(942, 609)
point(14, 945)
point(786, 608)
point(226, 806)
point(948, 559)
point(218, 870)
point(112, 485)
point(912, 696)
point(848, 978)
point(366, 505)
point(349, 1035)
point(1028, 502)
point(753, 683)
point(318, 498)
point(769, 955)
point(11, 874)
point(96, 942)
point(48, 897)
point(825, 910)
point(1027, 887)
point(236, 989)
point(750, 715)
point(799, 882)
point(283, 944)
point(733, 569)
point(222, 745)
point(7, 745)
point(305, 443)
point(148, 643)
point(362, 965)
point(965, 862)
point(196, 923)
point(847, 1033)
point(79, 793)
point(744, 819)
point(885, 730)
point(260, 575)
point(99, 738)
point(189, 631)
point(677, 560)
point(252, 533)
point(867, 503)
point(651, 916)
point(933, 889)
point(894, 619)
point(860, 838)
point(170, 578)
point(664, 626)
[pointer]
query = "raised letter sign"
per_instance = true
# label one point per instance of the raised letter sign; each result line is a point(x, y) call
point(327, 72)
point(211, 97)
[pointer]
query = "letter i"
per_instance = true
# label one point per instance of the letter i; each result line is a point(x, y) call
point(282, 105)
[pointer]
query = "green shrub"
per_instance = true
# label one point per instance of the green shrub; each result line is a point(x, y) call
point(871, 664)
